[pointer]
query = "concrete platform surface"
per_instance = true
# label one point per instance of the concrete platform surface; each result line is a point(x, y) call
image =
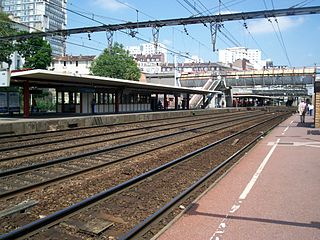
point(54, 122)
point(272, 193)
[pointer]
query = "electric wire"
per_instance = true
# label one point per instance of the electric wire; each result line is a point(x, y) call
point(283, 43)
point(122, 31)
point(302, 4)
point(232, 39)
point(147, 15)
point(72, 43)
point(265, 4)
point(217, 7)
point(279, 36)
point(133, 8)
point(247, 29)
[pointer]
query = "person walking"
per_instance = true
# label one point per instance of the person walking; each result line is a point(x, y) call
point(302, 108)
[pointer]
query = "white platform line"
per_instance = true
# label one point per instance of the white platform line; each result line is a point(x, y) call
point(223, 225)
point(286, 129)
point(258, 172)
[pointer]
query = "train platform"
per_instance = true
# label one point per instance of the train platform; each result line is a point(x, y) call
point(62, 121)
point(272, 193)
point(46, 122)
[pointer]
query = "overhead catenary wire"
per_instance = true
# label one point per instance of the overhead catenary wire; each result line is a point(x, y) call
point(232, 39)
point(279, 37)
point(283, 43)
point(301, 4)
point(137, 10)
point(209, 10)
point(122, 31)
point(147, 15)
point(144, 40)
point(247, 29)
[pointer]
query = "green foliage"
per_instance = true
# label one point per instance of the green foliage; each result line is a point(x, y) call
point(6, 47)
point(45, 105)
point(44, 101)
point(116, 63)
point(36, 51)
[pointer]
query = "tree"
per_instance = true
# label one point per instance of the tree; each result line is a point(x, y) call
point(36, 51)
point(6, 47)
point(116, 63)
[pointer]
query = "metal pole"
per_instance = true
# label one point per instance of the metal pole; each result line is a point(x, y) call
point(26, 102)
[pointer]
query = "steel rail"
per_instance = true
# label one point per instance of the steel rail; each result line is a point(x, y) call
point(99, 126)
point(40, 223)
point(140, 228)
point(77, 172)
point(102, 150)
point(97, 135)
point(86, 143)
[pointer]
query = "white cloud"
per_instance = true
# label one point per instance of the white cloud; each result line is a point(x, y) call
point(110, 4)
point(224, 12)
point(167, 42)
point(264, 26)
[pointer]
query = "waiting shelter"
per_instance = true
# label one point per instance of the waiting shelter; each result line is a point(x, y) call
point(87, 94)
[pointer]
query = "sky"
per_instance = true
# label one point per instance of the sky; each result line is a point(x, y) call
point(300, 34)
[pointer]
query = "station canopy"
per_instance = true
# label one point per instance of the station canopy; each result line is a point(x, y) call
point(50, 79)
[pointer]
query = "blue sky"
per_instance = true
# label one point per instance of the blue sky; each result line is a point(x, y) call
point(301, 34)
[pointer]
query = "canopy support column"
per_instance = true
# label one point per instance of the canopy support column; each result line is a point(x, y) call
point(26, 102)
point(116, 102)
point(187, 101)
point(203, 100)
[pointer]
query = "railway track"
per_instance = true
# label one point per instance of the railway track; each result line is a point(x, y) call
point(35, 150)
point(17, 180)
point(177, 173)
point(36, 139)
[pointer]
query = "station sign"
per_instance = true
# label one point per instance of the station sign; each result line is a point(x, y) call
point(9, 102)
point(4, 78)
point(3, 102)
point(13, 102)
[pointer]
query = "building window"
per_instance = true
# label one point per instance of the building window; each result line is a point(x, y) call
point(64, 63)
point(77, 63)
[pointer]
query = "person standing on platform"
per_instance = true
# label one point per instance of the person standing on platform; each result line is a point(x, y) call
point(93, 106)
point(310, 109)
point(302, 108)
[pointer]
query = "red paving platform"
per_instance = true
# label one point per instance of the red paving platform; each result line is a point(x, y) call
point(272, 193)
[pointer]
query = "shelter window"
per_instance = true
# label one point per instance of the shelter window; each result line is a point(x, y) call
point(100, 98)
point(66, 98)
point(143, 99)
point(77, 98)
point(109, 98)
point(59, 100)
